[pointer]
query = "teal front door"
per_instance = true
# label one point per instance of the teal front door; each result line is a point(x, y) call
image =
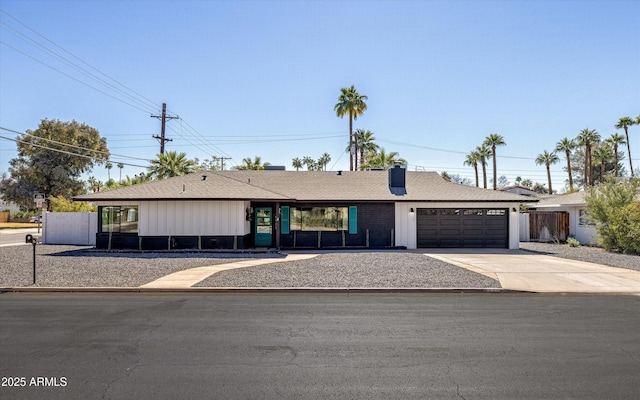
point(263, 226)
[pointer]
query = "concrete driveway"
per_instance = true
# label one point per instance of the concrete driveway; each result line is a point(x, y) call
point(521, 270)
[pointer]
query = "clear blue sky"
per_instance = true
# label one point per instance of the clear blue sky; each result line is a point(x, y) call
point(261, 78)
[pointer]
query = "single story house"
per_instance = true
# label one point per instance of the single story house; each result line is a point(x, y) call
point(573, 204)
point(305, 209)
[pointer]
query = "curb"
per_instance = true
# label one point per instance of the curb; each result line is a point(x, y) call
point(261, 290)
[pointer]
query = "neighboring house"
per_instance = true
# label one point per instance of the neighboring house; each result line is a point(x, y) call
point(521, 190)
point(574, 204)
point(305, 209)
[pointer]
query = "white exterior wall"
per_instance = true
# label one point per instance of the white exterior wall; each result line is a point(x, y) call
point(406, 222)
point(585, 234)
point(74, 228)
point(189, 217)
point(193, 218)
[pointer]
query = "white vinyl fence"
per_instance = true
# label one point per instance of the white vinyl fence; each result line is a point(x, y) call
point(74, 228)
point(524, 227)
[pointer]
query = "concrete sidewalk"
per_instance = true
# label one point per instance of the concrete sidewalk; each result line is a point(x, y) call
point(521, 270)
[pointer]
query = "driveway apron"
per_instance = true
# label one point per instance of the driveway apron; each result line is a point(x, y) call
point(521, 270)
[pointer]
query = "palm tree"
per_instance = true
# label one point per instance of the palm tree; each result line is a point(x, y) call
point(351, 103)
point(473, 159)
point(120, 166)
point(309, 162)
point(324, 160)
point(567, 145)
point(382, 159)
point(170, 164)
point(492, 141)
point(587, 138)
point(109, 166)
point(626, 122)
point(484, 153)
point(614, 141)
point(603, 154)
point(366, 142)
point(296, 163)
point(547, 159)
point(255, 164)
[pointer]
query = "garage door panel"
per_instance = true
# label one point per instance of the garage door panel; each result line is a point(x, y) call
point(462, 228)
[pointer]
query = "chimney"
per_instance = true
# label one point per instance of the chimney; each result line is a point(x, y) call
point(397, 180)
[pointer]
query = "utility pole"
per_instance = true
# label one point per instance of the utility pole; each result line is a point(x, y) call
point(164, 119)
point(221, 161)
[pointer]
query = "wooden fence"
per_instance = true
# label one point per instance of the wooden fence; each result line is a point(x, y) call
point(548, 226)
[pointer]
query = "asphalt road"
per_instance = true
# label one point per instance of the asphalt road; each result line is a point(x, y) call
point(12, 237)
point(319, 346)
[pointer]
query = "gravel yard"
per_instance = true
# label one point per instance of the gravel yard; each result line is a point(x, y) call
point(73, 266)
point(381, 269)
point(585, 253)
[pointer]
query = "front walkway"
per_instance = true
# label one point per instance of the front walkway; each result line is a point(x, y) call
point(520, 270)
point(189, 277)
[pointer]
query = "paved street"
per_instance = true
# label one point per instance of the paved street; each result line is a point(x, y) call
point(14, 237)
point(243, 346)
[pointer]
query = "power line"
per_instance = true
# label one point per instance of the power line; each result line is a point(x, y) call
point(141, 99)
point(71, 145)
point(61, 151)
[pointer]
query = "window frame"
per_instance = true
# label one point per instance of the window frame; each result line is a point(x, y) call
point(115, 223)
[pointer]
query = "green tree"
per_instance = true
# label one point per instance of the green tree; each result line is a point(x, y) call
point(310, 163)
point(473, 159)
point(324, 159)
point(351, 103)
point(587, 138)
point(547, 158)
point(109, 165)
point(493, 141)
point(604, 154)
point(120, 166)
point(52, 159)
point(382, 159)
point(296, 163)
point(62, 204)
point(365, 142)
point(170, 164)
point(614, 141)
point(256, 164)
point(484, 152)
point(625, 123)
point(614, 208)
point(567, 145)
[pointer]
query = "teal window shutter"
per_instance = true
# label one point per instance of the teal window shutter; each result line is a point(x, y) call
point(353, 220)
point(284, 220)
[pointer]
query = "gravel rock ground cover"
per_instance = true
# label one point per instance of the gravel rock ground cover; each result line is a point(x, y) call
point(348, 270)
point(73, 266)
point(584, 253)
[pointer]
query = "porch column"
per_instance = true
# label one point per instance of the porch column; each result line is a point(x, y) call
point(277, 225)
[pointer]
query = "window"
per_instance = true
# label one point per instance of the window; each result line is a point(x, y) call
point(449, 211)
point(473, 212)
point(427, 211)
point(119, 219)
point(319, 219)
point(497, 213)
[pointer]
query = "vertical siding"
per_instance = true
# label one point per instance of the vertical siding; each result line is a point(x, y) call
point(193, 218)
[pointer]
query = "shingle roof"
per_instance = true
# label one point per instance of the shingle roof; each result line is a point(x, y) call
point(303, 186)
point(569, 199)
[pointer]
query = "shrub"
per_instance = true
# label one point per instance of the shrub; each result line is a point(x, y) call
point(612, 207)
point(572, 242)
